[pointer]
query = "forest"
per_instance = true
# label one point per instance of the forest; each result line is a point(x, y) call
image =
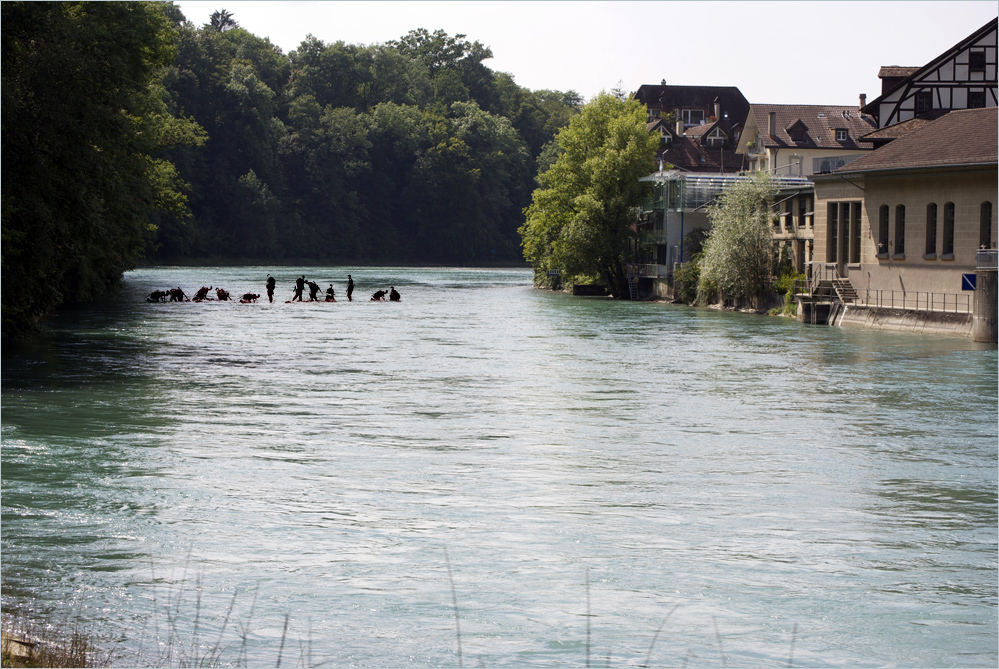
point(133, 136)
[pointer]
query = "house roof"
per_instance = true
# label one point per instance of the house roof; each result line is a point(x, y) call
point(892, 71)
point(905, 127)
point(821, 122)
point(873, 106)
point(689, 155)
point(698, 131)
point(961, 137)
point(668, 97)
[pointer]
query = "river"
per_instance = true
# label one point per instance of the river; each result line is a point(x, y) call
point(580, 480)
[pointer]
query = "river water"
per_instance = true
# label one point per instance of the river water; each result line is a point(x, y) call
point(584, 481)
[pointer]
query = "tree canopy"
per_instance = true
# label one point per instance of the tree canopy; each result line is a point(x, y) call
point(738, 255)
point(131, 134)
point(84, 121)
point(581, 218)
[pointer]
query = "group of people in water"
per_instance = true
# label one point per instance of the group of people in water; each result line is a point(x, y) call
point(177, 295)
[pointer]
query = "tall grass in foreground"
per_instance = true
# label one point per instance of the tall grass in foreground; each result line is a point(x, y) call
point(27, 643)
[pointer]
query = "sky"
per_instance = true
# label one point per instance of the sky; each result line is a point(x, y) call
point(790, 52)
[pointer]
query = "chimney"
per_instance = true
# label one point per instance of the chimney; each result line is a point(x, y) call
point(773, 124)
point(679, 124)
point(863, 100)
point(717, 109)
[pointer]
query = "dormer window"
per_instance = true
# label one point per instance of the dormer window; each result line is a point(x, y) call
point(842, 134)
point(798, 132)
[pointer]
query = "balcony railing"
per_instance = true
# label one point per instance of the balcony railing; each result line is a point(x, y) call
point(653, 271)
point(987, 259)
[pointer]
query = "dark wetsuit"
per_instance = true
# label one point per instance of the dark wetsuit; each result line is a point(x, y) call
point(350, 289)
point(270, 288)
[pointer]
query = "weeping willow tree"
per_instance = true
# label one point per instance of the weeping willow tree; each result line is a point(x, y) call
point(738, 254)
point(581, 218)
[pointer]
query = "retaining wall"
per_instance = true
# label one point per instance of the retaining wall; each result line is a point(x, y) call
point(928, 322)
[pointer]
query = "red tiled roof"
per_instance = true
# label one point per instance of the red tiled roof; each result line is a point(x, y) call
point(822, 122)
point(962, 137)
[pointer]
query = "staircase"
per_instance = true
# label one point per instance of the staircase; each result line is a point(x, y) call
point(633, 275)
point(844, 291)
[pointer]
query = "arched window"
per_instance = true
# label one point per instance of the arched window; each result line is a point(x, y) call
point(947, 247)
point(883, 230)
point(985, 231)
point(900, 229)
point(931, 229)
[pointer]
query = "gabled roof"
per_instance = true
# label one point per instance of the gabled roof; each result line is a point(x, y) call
point(872, 107)
point(689, 155)
point(822, 121)
point(964, 137)
point(699, 131)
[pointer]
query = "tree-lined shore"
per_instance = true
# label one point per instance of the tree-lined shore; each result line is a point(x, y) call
point(131, 134)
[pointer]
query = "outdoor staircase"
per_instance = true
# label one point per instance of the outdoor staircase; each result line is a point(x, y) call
point(844, 291)
point(633, 283)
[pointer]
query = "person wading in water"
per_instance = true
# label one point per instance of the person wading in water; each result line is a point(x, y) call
point(350, 289)
point(270, 287)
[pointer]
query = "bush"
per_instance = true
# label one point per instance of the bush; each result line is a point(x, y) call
point(685, 281)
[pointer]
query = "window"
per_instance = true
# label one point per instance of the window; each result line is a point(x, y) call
point(692, 116)
point(976, 99)
point(832, 225)
point(976, 61)
point(985, 231)
point(842, 134)
point(924, 102)
point(883, 231)
point(855, 234)
point(900, 230)
point(931, 229)
point(947, 248)
point(804, 211)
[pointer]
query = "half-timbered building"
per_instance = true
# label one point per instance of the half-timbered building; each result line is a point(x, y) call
point(963, 77)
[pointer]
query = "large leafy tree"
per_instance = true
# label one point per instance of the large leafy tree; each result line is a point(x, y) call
point(738, 254)
point(83, 124)
point(581, 218)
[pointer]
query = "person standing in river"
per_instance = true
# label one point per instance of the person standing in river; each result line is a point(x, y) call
point(270, 287)
point(350, 288)
point(299, 287)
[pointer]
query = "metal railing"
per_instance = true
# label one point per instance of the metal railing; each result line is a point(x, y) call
point(955, 303)
point(650, 271)
point(987, 259)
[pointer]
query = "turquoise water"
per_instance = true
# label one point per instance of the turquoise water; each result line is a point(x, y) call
point(613, 483)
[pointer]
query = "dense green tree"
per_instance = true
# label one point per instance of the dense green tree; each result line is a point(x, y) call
point(738, 254)
point(581, 218)
point(83, 124)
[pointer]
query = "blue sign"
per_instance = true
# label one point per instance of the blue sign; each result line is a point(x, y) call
point(969, 281)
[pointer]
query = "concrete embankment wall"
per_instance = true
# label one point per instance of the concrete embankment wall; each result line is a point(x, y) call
point(927, 322)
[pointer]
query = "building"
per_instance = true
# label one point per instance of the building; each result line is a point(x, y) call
point(801, 140)
point(963, 77)
point(679, 206)
point(700, 126)
point(903, 224)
